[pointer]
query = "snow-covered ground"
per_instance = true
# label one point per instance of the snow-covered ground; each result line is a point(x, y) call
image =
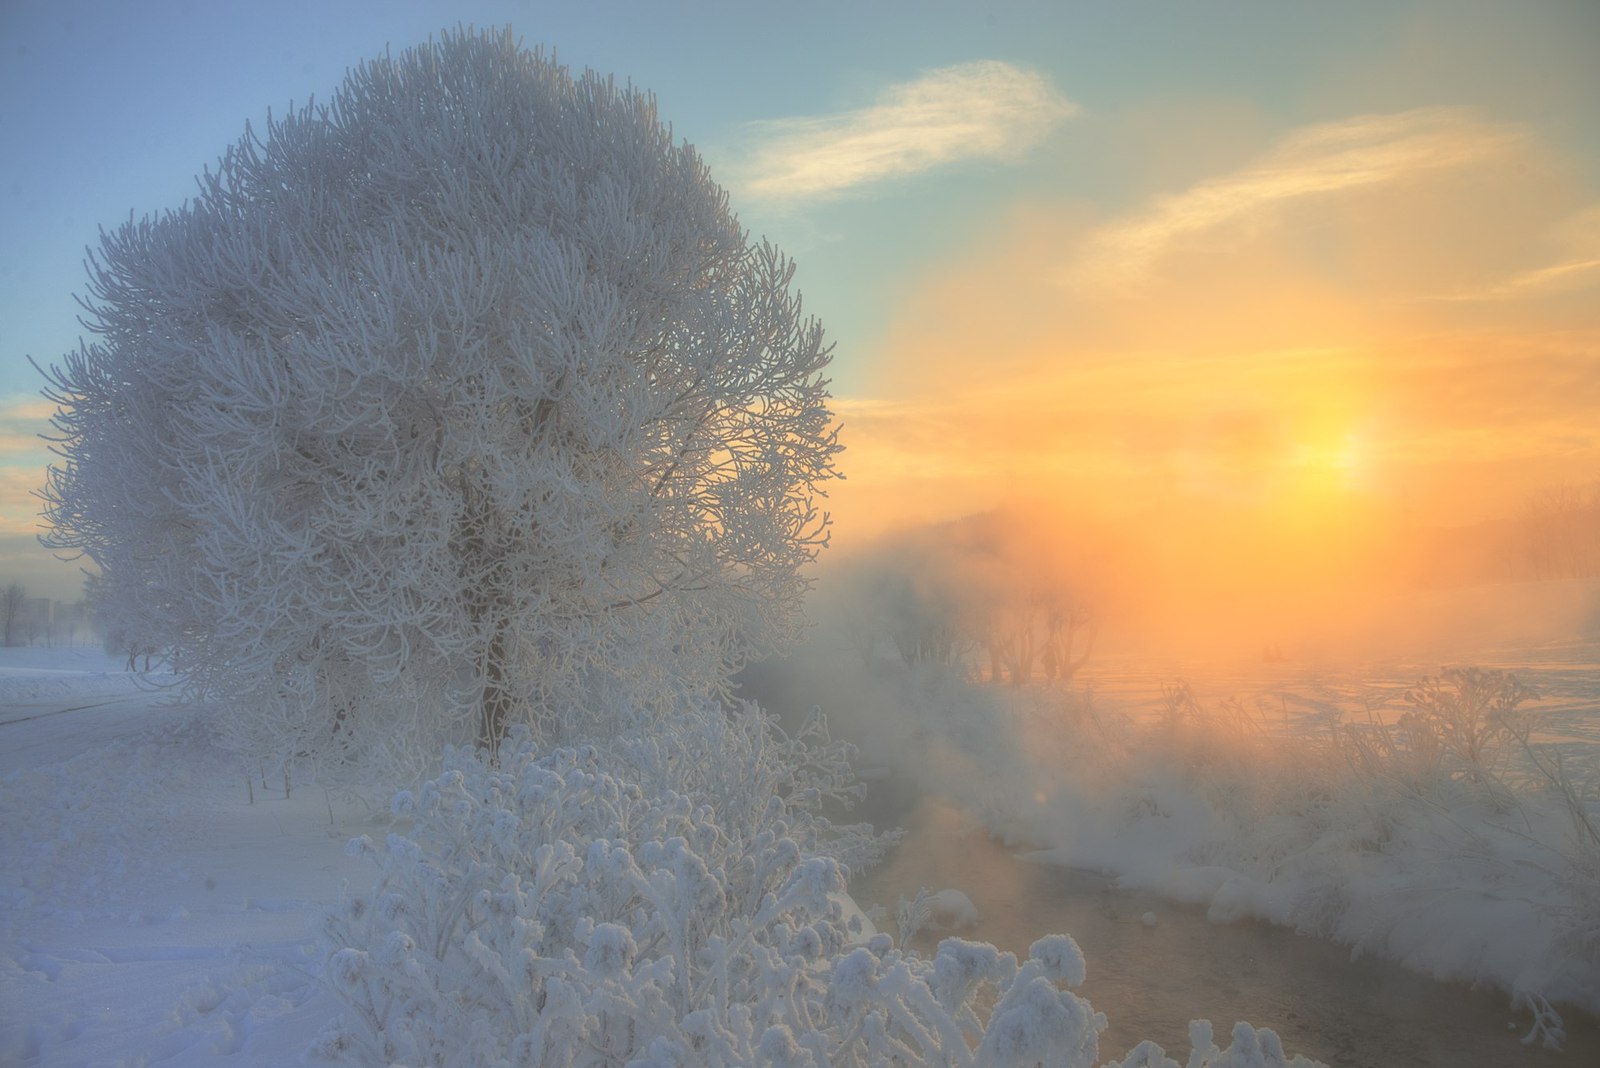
point(150, 907)
point(158, 904)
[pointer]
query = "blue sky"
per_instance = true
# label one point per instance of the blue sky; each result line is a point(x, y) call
point(1010, 160)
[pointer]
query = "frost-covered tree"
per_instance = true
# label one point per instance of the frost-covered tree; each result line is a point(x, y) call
point(460, 400)
point(12, 600)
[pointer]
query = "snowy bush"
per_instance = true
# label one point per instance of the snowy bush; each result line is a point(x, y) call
point(737, 761)
point(948, 908)
point(546, 911)
point(1425, 834)
point(1462, 733)
point(1471, 714)
point(458, 401)
point(1250, 1048)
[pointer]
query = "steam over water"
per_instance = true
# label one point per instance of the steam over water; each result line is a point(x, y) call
point(1160, 807)
point(1152, 979)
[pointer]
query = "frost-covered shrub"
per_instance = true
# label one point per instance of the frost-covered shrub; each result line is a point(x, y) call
point(1457, 739)
point(1471, 717)
point(1578, 871)
point(546, 911)
point(948, 908)
point(1250, 1048)
point(738, 760)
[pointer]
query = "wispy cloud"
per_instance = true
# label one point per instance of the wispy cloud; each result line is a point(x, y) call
point(20, 511)
point(1539, 282)
point(23, 458)
point(979, 110)
point(1317, 161)
point(26, 406)
point(1577, 267)
point(22, 418)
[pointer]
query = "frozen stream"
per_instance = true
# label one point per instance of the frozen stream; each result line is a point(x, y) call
point(1151, 980)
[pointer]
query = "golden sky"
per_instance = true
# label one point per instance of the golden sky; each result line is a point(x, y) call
point(1395, 309)
point(1276, 279)
point(1261, 379)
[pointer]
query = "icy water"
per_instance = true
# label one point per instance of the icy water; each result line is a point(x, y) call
point(1151, 980)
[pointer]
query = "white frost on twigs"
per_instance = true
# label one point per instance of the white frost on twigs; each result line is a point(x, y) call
point(460, 400)
point(545, 910)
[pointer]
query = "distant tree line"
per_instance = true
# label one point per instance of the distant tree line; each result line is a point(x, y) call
point(39, 620)
point(984, 592)
point(1557, 533)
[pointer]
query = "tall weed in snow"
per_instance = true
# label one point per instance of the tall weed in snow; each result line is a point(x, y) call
point(1471, 714)
point(1579, 916)
point(1466, 750)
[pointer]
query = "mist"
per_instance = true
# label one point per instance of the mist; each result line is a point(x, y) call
point(1230, 736)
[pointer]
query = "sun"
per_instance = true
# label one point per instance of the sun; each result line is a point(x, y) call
point(1336, 462)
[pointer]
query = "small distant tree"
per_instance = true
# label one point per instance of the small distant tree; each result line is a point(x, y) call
point(12, 601)
point(986, 588)
point(1558, 532)
point(459, 401)
point(1064, 620)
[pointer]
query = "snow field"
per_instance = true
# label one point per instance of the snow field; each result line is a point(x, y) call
point(152, 915)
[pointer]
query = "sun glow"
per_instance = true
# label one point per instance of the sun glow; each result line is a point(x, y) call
point(1276, 426)
point(1335, 464)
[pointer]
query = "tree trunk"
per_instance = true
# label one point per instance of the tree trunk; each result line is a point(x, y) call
point(495, 709)
point(1070, 665)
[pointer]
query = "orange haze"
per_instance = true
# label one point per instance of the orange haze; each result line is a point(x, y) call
point(1263, 392)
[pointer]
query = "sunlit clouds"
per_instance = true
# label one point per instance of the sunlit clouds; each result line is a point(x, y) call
point(23, 458)
point(1278, 409)
point(1559, 277)
point(1317, 161)
point(1575, 245)
point(1301, 341)
point(978, 110)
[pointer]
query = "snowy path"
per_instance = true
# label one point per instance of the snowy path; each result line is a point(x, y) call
point(152, 915)
point(55, 703)
point(35, 735)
